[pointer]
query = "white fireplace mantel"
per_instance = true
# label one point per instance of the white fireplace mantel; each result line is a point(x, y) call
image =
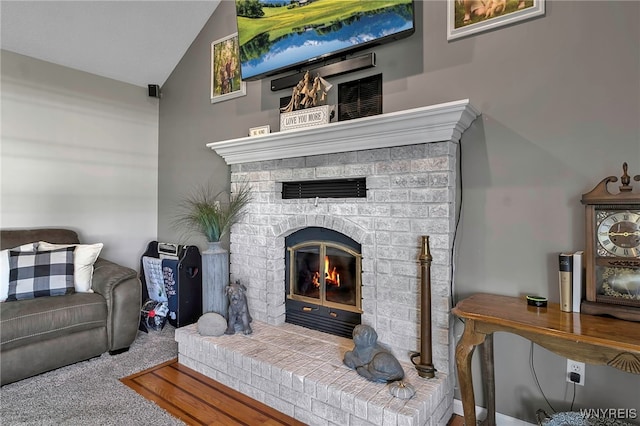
point(434, 123)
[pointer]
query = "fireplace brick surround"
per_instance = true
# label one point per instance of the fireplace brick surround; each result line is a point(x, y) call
point(410, 161)
point(409, 195)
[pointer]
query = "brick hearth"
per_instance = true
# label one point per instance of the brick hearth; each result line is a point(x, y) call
point(300, 373)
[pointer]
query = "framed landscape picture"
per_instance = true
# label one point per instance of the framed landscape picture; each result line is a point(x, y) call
point(466, 17)
point(226, 82)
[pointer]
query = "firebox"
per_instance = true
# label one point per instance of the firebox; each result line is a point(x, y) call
point(323, 281)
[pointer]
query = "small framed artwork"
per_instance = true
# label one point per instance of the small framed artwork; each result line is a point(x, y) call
point(226, 82)
point(466, 17)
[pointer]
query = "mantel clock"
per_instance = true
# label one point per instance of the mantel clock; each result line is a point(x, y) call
point(612, 253)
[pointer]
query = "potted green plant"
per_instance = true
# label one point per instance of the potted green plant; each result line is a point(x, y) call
point(211, 214)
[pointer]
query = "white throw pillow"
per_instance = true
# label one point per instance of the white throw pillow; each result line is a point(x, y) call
point(84, 256)
point(4, 268)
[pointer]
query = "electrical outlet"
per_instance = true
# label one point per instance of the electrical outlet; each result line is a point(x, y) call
point(575, 368)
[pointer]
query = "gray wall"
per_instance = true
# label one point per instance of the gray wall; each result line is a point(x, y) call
point(560, 103)
point(79, 151)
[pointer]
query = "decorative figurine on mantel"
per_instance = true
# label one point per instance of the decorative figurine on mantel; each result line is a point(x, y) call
point(307, 106)
point(308, 93)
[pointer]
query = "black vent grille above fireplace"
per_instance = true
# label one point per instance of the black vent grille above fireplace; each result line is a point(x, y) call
point(330, 188)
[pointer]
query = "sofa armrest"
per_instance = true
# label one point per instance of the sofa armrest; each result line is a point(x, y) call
point(122, 290)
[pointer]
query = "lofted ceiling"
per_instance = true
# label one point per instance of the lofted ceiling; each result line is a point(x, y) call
point(137, 42)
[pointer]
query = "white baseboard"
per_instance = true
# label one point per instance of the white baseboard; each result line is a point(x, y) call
point(501, 419)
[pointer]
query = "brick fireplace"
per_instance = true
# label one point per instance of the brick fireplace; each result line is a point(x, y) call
point(409, 160)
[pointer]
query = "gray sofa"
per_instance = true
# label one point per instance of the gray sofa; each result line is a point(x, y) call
point(41, 334)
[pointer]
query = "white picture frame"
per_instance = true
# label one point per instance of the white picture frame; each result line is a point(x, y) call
point(226, 81)
point(485, 15)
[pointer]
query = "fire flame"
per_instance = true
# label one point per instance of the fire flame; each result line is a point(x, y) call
point(331, 276)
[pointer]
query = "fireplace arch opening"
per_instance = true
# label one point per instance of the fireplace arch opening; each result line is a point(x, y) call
point(323, 279)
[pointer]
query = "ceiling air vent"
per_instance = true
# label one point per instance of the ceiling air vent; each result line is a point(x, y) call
point(334, 188)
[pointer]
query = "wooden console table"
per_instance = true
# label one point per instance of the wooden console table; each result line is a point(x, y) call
point(586, 338)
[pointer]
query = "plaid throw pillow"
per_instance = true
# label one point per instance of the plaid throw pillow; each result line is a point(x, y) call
point(4, 268)
point(43, 273)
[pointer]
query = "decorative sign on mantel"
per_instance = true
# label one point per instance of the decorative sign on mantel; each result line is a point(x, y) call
point(307, 106)
point(259, 131)
point(305, 117)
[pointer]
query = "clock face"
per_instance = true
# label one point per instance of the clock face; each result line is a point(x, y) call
point(618, 233)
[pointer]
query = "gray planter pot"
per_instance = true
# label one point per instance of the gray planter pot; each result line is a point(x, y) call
point(215, 278)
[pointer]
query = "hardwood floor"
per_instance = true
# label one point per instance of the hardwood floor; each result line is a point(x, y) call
point(198, 400)
point(456, 421)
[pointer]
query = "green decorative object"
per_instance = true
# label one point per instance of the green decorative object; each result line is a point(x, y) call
point(207, 212)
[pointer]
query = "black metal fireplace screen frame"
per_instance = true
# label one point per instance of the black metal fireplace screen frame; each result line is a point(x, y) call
point(323, 300)
point(322, 314)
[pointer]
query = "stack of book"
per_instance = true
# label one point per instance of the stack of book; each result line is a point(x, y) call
point(571, 280)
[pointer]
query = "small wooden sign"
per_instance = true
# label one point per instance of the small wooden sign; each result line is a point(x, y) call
point(305, 117)
point(259, 131)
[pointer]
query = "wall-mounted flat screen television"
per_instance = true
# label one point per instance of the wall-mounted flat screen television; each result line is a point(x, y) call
point(276, 36)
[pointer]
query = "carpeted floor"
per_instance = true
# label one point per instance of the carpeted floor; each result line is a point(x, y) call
point(90, 392)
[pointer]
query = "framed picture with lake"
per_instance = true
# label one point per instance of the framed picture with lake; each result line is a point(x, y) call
point(466, 17)
point(226, 82)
